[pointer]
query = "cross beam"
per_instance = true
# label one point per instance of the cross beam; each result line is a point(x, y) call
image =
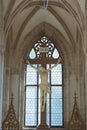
point(44, 59)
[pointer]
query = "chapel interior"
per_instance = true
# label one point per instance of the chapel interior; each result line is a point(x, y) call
point(40, 32)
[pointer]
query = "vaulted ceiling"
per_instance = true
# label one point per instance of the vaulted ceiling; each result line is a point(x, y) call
point(24, 17)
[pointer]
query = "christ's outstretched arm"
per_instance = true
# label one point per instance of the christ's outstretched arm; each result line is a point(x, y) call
point(59, 60)
point(27, 61)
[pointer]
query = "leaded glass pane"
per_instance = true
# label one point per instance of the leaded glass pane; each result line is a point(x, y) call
point(56, 92)
point(56, 105)
point(31, 75)
point(56, 78)
point(48, 119)
point(58, 68)
point(48, 66)
point(56, 75)
point(31, 92)
point(55, 53)
point(31, 106)
point(48, 110)
point(56, 119)
point(32, 54)
point(39, 110)
point(30, 119)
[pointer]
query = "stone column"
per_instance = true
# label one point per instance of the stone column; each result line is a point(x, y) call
point(1, 84)
point(1, 59)
point(6, 88)
point(85, 54)
point(15, 90)
point(85, 80)
point(21, 93)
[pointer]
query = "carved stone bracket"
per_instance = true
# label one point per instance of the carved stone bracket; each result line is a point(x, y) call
point(76, 122)
point(11, 122)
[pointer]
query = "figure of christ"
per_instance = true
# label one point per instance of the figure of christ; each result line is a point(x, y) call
point(44, 85)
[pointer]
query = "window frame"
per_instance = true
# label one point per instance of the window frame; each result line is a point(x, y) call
point(50, 100)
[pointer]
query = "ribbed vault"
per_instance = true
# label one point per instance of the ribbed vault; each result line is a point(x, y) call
point(67, 17)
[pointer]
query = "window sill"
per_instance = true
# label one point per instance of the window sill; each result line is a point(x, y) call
point(43, 129)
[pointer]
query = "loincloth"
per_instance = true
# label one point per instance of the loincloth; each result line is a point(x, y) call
point(45, 87)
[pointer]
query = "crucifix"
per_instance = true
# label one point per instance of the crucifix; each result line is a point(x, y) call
point(44, 85)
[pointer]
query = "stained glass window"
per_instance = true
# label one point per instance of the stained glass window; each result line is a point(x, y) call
point(54, 104)
point(31, 106)
point(55, 100)
point(32, 98)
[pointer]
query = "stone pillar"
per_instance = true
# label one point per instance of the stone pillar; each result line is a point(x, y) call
point(86, 88)
point(21, 101)
point(1, 59)
point(15, 91)
point(1, 85)
point(21, 93)
point(7, 75)
point(85, 92)
point(85, 54)
point(6, 88)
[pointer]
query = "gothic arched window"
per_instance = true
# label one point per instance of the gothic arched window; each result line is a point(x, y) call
point(42, 50)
